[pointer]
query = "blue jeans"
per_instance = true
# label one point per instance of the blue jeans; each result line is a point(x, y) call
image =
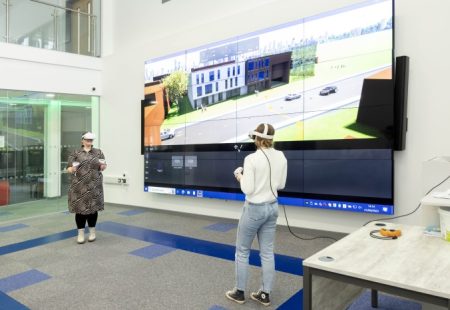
point(256, 220)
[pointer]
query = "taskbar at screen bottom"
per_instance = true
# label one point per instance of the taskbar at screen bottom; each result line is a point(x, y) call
point(296, 202)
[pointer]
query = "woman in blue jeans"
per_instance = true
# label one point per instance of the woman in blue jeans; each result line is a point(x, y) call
point(264, 173)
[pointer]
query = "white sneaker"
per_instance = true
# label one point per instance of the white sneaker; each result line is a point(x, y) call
point(91, 234)
point(80, 238)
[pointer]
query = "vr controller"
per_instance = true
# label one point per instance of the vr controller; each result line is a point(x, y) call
point(239, 170)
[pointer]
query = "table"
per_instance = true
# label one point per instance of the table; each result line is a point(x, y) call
point(414, 266)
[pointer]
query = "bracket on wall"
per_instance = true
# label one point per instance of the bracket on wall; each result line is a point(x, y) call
point(116, 180)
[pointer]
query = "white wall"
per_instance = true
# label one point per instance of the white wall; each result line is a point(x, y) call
point(35, 69)
point(148, 29)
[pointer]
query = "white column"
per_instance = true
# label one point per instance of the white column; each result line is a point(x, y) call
point(52, 150)
point(95, 119)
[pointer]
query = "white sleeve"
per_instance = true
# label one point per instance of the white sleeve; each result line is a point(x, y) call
point(248, 178)
point(283, 175)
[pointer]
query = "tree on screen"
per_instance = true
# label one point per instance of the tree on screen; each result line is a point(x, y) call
point(175, 85)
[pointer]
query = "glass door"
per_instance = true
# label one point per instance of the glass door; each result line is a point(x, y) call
point(23, 153)
point(37, 133)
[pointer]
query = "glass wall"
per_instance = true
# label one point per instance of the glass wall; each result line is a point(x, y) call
point(3, 21)
point(68, 26)
point(37, 133)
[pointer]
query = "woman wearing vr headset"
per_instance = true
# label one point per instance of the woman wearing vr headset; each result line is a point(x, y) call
point(86, 188)
point(264, 173)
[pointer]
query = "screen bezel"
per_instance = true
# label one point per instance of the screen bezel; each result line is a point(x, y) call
point(376, 143)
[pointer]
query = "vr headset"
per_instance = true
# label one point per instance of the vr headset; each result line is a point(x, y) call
point(88, 136)
point(253, 134)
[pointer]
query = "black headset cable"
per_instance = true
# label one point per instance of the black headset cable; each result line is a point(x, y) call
point(417, 208)
point(284, 207)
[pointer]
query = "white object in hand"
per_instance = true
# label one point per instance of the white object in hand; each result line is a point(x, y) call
point(102, 163)
point(75, 165)
point(238, 171)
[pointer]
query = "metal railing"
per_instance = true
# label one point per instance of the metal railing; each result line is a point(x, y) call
point(6, 3)
point(65, 29)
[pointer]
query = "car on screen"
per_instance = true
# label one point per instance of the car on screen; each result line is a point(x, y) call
point(328, 90)
point(292, 96)
point(167, 134)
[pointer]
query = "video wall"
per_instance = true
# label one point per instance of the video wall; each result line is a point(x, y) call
point(325, 83)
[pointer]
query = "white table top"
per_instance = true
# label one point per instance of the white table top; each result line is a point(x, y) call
point(413, 261)
point(429, 200)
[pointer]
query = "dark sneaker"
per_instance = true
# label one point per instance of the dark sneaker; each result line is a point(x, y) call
point(236, 295)
point(261, 297)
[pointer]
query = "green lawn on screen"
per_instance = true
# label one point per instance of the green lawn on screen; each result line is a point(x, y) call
point(339, 124)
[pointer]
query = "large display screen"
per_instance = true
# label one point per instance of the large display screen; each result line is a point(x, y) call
point(325, 84)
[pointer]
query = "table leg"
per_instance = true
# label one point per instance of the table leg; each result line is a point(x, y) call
point(374, 298)
point(307, 289)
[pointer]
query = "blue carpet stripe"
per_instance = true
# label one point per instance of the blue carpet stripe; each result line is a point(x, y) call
point(284, 263)
point(221, 227)
point(132, 212)
point(152, 251)
point(385, 302)
point(12, 227)
point(295, 302)
point(22, 280)
point(8, 303)
point(216, 307)
point(28, 244)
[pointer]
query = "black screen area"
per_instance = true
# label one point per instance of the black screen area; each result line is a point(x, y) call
point(360, 175)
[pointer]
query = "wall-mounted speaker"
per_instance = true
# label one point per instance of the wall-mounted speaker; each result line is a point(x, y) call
point(401, 102)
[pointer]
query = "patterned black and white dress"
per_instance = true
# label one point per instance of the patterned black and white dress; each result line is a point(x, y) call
point(86, 188)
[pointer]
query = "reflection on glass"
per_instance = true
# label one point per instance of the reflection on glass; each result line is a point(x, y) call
point(72, 28)
point(3, 22)
point(37, 133)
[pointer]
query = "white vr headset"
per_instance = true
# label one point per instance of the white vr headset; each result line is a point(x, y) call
point(88, 136)
point(253, 134)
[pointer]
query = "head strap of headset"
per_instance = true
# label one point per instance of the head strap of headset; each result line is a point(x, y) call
point(263, 135)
